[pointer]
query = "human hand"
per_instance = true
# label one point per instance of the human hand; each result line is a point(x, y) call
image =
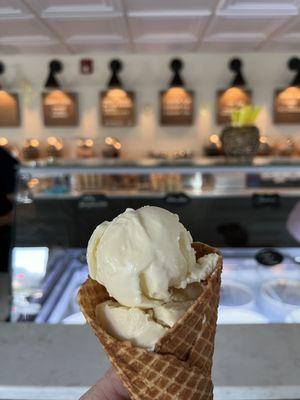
point(109, 387)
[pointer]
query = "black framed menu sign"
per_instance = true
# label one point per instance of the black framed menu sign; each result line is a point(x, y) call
point(176, 107)
point(117, 108)
point(9, 109)
point(286, 105)
point(229, 100)
point(60, 108)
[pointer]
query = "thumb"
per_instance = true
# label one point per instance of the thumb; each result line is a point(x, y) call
point(109, 387)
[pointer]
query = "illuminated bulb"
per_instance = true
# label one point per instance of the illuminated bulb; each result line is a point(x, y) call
point(33, 182)
point(118, 146)
point(108, 140)
point(89, 142)
point(52, 140)
point(214, 139)
point(34, 143)
point(3, 141)
point(263, 139)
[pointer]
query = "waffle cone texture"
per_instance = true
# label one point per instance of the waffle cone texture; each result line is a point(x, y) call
point(180, 365)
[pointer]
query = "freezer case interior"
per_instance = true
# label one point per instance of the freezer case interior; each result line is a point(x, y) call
point(258, 286)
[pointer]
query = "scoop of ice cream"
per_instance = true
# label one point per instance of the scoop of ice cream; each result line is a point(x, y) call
point(132, 324)
point(169, 313)
point(145, 260)
point(141, 255)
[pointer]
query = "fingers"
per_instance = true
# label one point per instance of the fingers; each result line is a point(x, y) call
point(108, 387)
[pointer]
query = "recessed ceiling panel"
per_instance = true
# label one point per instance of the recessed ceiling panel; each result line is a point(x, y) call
point(100, 46)
point(229, 46)
point(159, 8)
point(13, 9)
point(102, 30)
point(166, 29)
point(290, 34)
point(23, 28)
point(259, 8)
point(162, 47)
point(76, 8)
point(226, 29)
point(282, 46)
point(20, 48)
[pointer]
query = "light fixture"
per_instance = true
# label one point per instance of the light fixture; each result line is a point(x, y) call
point(2, 70)
point(176, 65)
point(55, 67)
point(294, 65)
point(286, 100)
point(116, 67)
point(117, 105)
point(236, 66)
point(3, 142)
point(176, 103)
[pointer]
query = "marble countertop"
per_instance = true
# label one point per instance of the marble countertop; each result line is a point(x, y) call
point(39, 362)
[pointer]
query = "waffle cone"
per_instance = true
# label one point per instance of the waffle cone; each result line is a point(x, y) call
point(180, 366)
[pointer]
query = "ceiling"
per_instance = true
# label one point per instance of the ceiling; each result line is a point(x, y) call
point(77, 26)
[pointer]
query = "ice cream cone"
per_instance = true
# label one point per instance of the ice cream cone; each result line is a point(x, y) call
point(180, 366)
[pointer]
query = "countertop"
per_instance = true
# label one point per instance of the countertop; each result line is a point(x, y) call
point(39, 362)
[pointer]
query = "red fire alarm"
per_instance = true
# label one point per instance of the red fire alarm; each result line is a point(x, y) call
point(86, 66)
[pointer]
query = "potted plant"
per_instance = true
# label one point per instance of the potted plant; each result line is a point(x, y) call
point(241, 138)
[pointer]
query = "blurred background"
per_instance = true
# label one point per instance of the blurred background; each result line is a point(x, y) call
point(193, 106)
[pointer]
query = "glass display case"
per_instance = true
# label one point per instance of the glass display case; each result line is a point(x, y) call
point(252, 212)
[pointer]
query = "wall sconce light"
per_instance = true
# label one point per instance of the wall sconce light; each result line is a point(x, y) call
point(117, 105)
point(55, 67)
point(235, 96)
point(9, 105)
point(2, 70)
point(294, 65)
point(176, 103)
point(286, 104)
point(236, 65)
point(176, 65)
point(60, 107)
point(116, 67)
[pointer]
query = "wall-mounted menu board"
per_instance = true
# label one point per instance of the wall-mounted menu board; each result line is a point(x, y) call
point(117, 108)
point(286, 106)
point(229, 100)
point(60, 108)
point(9, 109)
point(176, 107)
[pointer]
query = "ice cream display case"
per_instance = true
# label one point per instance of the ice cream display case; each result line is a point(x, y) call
point(251, 212)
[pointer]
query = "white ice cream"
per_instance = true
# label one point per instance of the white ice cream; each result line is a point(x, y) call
point(143, 253)
point(132, 324)
point(145, 260)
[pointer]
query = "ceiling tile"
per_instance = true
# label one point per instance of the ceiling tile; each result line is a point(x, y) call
point(174, 47)
point(290, 34)
point(21, 48)
point(224, 29)
point(156, 30)
point(229, 46)
point(13, 9)
point(282, 46)
point(24, 28)
point(259, 8)
point(85, 30)
point(159, 8)
point(99, 46)
point(76, 8)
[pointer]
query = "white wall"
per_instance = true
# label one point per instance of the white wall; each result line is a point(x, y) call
point(146, 74)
